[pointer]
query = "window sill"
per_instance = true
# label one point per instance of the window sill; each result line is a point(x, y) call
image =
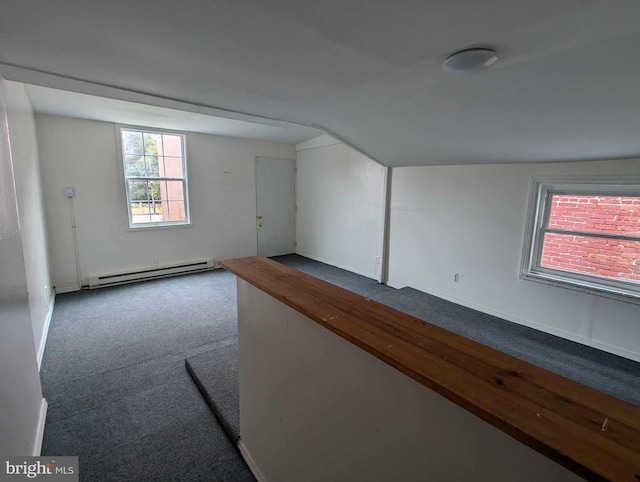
point(152, 227)
point(583, 287)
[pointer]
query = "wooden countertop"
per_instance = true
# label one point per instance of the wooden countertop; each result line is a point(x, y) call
point(591, 433)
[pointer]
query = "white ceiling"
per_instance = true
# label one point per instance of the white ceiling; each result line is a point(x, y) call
point(566, 87)
point(53, 101)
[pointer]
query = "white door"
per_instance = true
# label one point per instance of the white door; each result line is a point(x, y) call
point(275, 197)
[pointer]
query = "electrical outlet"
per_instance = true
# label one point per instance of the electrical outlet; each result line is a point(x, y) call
point(377, 259)
point(155, 262)
point(456, 277)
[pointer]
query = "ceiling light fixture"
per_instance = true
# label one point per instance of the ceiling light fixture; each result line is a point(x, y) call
point(470, 60)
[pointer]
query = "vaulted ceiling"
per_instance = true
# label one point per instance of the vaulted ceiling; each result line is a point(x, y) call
point(566, 87)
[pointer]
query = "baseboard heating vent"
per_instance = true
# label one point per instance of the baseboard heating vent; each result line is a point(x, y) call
point(150, 273)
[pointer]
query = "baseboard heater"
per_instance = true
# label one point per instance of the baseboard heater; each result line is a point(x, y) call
point(150, 273)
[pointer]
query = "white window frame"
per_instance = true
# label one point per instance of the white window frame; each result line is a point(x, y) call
point(537, 220)
point(185, 179)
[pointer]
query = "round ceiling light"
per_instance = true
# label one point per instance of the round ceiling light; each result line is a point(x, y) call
point(470, 60)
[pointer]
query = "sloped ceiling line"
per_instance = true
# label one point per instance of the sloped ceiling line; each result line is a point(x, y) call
point(20, 73)
point(61, 95)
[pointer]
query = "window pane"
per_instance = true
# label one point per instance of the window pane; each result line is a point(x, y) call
point(175, 191)
point(134, 165)
point(151, 142)
point(171, 190)
point(132, 142)
point(174, 211)
point(138, 191)
point(154, 190)
point(155, 208)
point(171, 146)
point(140, 212)
point(172, 195)
point(607, 258)
point(171, 167)
point(596, 214)
point(152, 166)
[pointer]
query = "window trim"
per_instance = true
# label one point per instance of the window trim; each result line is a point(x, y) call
point(124, 179)
point(538, 214)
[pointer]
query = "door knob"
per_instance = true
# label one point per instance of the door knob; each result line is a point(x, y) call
point(260, 224)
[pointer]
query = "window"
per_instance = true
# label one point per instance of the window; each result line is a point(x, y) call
point(585, 235)
point(155, 172)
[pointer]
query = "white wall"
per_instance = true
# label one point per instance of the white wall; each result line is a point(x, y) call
point(340, 206)
point(24, 149)
point(22, 407)
point(471, 220)
point(83, 154)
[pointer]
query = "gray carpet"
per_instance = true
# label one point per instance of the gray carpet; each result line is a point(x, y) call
point(120, 397)
point(216, 372)
point(119, 394)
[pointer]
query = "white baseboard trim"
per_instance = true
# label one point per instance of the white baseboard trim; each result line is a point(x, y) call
point(485, 309)
point(586, 341)
point(531, 324)
point(67, 289)
point(337, 265)
point(255, 470)
point(37, 445)
point(45, 330)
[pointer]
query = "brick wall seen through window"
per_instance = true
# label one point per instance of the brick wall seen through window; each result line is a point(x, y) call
point(597, 256)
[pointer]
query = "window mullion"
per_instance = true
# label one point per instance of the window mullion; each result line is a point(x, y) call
point(590, 234)
point(544, 208)
point(144, 178)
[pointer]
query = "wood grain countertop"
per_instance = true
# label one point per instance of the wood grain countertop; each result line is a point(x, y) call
point(589, 432)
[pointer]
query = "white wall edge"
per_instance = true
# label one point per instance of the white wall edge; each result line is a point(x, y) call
point(37, 445)
point(531, 324)
point(341, 266)
point(320, 141)
point(385, 233)
point(255, 470)
point(45, 331)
